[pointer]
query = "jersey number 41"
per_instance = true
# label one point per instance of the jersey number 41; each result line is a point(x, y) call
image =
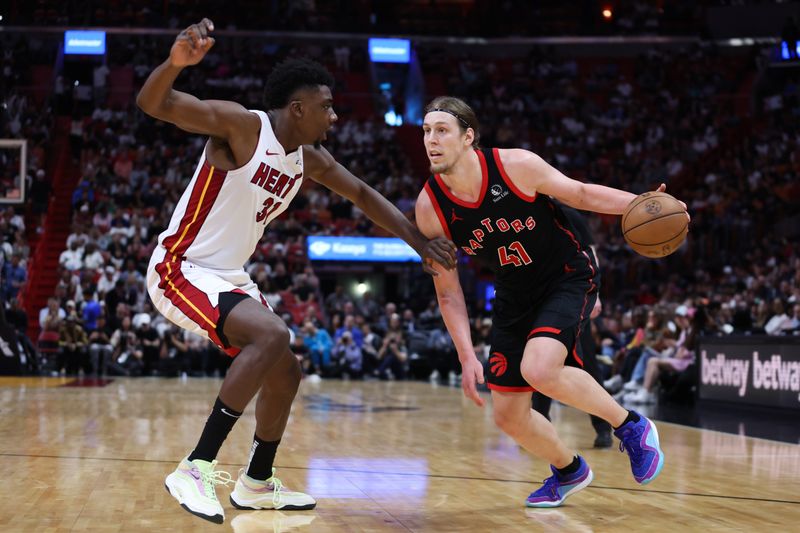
point(515, 255)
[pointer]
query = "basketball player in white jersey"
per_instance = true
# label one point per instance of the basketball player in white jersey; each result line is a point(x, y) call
point(251, 168)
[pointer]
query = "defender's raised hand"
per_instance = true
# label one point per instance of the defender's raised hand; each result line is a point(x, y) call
point(192, 44)
point(441, 250)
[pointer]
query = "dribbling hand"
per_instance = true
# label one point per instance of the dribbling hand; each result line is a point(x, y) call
point(471, 374)
point(192, 44)
point(663, 188)
point(440, 250)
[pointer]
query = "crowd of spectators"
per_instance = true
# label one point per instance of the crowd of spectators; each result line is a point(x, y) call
point(20, 118)
point(668, 116)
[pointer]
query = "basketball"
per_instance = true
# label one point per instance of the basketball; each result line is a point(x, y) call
point(654, 224)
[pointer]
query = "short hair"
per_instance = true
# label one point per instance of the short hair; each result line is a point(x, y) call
point(291, 75)
point(465, 116)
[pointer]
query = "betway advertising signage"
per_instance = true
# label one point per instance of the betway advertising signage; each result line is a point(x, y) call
point(751, 370)
point(374, 249)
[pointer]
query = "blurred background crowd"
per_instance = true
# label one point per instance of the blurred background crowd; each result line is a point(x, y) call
point(716, 123)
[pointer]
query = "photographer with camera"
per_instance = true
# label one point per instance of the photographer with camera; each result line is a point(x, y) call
point(393, 353)
point(348, 357)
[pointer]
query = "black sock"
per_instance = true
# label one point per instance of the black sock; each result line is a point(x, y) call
point(632, 417)
point(570, 468)
point(218, 425)
point(262, 455)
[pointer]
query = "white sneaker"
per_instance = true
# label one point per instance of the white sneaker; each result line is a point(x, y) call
point(193, 485)
point(631, 386)
point(641, 396)
point(249, 493)
point(613, 384)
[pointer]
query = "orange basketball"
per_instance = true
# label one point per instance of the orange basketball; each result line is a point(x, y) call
point(654, 224)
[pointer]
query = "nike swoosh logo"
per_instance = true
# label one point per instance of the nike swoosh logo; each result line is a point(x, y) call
point(194, 474)
point(272, 153)
point(229, 413)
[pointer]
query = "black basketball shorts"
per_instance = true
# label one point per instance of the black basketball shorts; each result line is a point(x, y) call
point(562, 315)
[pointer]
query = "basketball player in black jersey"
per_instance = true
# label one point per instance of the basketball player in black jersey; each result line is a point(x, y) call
point(496, 205)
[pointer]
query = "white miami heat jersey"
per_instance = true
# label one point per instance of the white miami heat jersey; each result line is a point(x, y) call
point(222, 214)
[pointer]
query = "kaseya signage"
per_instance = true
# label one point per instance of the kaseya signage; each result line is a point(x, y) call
point(374, 249)
point(753, 371)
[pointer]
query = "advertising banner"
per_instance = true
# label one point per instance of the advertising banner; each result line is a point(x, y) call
point(751, 370)
point(373, 249)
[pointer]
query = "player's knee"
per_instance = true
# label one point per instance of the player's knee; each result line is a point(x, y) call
point(272, 341)
point(507, 421)
point(540, 376)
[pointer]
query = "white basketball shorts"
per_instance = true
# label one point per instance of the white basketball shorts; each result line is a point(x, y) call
point(188, 294)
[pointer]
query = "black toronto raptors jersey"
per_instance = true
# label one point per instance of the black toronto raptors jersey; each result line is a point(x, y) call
point(526, 241)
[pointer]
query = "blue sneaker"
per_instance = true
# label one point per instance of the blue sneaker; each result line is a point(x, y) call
point(640, 440)
point(556, 488)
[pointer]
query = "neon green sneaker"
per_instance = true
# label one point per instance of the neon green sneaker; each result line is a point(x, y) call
point(193, 485)
point(249, 493)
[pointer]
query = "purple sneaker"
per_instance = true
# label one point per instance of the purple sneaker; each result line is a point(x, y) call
point(556, 488)
point(640, 440)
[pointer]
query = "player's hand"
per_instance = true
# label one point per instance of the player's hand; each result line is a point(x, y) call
point(597, 309)
point(663, 188)
point(441, 250)
point(472, 373)
point(191, 45)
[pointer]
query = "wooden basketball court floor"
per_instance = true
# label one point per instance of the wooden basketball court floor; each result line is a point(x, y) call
point(378, 456)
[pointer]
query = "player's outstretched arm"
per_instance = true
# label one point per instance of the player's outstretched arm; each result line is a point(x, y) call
point(533, 174)
point(215, 118)
point(452, 305)
point(320, 166)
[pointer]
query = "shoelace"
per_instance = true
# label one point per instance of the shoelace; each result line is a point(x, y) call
point(551, 485)
point(634, 450)
point(214, 477)
point(277, 486)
